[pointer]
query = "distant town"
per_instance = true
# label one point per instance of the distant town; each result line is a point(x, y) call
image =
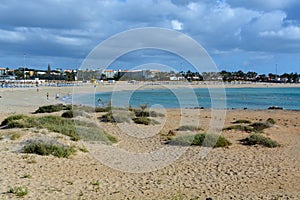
point(94, 75)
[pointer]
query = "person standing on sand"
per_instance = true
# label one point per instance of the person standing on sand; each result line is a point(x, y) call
point(47, 95)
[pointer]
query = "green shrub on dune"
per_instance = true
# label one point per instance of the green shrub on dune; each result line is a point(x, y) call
point(271, 121)
point(203, 139)
point(259, 139)
point(254, 127)
point(240, 128)
point(146, 113)
point(188, 128)
point(52, 123)
point(103, 109)
point(68, 114)
point(242, 121)
point(127, 115)
point(185, 140)
point(116, 117)
point(58, 124)
point(260, 126)
point(53, 108)
point(11, 118)
point(145, 121)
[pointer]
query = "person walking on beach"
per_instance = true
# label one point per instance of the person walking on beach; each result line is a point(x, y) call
point(47, 95)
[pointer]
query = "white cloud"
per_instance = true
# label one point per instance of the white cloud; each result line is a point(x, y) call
point(263, 5)
point(70, 41)
point(291, 32)
point(229, 51)
point(11, 36)
point(269, 21)
point(176, 25)
point(193, 6)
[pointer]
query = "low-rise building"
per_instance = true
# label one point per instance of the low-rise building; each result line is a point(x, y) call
point(2, 71)
point(109, 73)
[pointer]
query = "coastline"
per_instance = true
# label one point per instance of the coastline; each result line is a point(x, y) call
point(20, 100)
point(238, 99)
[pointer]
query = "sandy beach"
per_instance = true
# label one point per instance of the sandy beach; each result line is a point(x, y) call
point(234, 172)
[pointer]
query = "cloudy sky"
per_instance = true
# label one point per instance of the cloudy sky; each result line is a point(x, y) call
point(238, 34)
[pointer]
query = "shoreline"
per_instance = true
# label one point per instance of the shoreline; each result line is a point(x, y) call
point(235, 84)
point(18, 100)
point(230, 104)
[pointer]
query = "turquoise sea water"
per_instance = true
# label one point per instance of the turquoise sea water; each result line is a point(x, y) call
point(238, 98)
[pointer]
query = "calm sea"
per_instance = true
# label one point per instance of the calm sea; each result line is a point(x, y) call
point(239, 98)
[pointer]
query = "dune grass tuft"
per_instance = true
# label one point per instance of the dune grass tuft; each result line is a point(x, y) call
point(14, 135)
point(95, 134)
point(74, 129)
point(44, 149)
point(52, 123)
point(11, 118)
point(26, 176)
point(18, 191)
point(167, 136)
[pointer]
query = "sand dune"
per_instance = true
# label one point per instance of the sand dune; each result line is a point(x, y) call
point(236, 172)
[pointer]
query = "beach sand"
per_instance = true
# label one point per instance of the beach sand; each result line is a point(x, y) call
point(236, 172)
